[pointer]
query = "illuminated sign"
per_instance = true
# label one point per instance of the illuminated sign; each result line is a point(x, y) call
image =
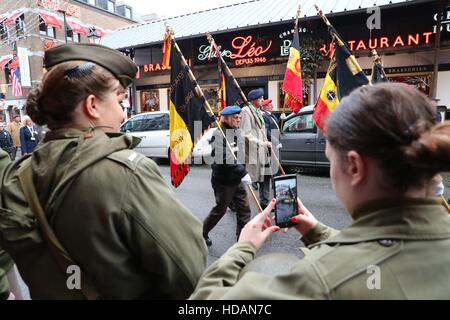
point(248, 52)
point(204, 53)
point(384, 42)
point(157, 67)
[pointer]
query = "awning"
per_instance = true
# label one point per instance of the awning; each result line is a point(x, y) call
point(76, 27)
point(100, 31)
point(12, 18)
point(50, 20)
point(4, 61)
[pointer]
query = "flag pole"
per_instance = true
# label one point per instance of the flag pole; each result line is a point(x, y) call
point(297, 18)
point(228, 71)
point(206, 104)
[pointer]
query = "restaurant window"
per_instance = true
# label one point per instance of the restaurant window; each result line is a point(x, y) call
point(420, 81)
point(287, 109)
point(150, 100)
point(212, 96)
point(46, 30)
point(20, 25)
point(4, 32)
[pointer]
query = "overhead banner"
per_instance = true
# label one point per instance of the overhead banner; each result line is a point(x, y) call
point(24, 62)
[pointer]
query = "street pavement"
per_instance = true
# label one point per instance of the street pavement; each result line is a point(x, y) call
point(314, 190)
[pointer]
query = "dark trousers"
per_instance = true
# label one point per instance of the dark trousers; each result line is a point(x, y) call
point(13, 153)
point(264, 191)
point(224, 195)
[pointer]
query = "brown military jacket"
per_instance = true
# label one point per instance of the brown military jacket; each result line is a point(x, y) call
point(395, 249)
point(5, 260)
point(112, 211)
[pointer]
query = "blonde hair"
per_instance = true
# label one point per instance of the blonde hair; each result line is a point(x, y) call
point(25, 119)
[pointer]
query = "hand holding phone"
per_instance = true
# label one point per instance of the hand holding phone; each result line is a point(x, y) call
point(285, 191)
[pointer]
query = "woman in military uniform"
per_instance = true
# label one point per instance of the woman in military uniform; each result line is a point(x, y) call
point(115, 229)
point(384, 147)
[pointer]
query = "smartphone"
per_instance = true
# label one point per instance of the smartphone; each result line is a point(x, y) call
point(285, 191)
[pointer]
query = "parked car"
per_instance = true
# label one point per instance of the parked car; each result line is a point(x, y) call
point(153, 129)
point(202, 149)
point(303, 143)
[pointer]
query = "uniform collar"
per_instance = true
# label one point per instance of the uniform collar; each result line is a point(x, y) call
point(401, 219)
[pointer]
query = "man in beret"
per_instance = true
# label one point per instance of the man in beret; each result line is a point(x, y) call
point(229, 176)
point(257, 146)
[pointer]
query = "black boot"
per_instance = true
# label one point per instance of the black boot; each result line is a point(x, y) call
point(207, 240)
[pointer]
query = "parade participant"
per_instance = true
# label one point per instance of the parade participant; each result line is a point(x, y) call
point(14, 129)
point(125, 234)
point(28, 136)
point(272, 128)
point(229, 175)
point(384, 147)
point(6, 142)
point(257, 159)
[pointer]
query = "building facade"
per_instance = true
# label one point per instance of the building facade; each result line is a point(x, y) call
point(29, 27)
point(257, 48)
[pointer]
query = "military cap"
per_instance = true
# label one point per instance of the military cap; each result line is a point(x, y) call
point(122, 67)
point(255, 94)
point(266, 102)
point(230, 110)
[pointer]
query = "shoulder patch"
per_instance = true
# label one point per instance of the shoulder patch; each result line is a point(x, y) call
point(127, 157)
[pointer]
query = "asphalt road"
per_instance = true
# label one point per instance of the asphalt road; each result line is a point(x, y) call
point(315, 191)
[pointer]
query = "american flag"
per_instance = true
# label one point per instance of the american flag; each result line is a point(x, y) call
point(16, 83)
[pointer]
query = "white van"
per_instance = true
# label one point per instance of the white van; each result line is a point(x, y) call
point(153, 129)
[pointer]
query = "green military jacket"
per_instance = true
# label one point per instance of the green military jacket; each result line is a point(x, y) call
point(5, 260)
point(393, 250)
point(112, 211)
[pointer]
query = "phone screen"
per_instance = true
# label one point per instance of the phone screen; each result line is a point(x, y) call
point(285, 189)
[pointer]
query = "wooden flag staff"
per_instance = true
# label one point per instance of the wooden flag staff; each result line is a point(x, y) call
point(198, 90)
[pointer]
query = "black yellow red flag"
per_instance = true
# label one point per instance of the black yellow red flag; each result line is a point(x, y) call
point(293, 83)
point(188, 117)
point(343, 76)
point(228, 92)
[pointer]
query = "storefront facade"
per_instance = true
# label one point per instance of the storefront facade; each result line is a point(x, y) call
point(257, 56)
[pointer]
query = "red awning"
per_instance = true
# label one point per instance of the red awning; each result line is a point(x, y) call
point(12, 18)
point(50, 20)
point(100, 31)
point(76, 27)
point(4, 61)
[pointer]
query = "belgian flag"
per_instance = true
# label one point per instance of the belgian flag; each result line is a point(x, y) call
point(378, 74)
point(293, 83)
point(188, 117)
point(228, 92)
point(343, 76)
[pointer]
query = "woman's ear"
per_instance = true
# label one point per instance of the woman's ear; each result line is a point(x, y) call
point(356, 168)
point(90, 107)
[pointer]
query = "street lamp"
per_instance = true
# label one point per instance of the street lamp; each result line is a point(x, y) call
point(94, 36)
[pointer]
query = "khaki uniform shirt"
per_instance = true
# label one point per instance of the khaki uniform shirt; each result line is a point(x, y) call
point(395, 249)
point(112, 211)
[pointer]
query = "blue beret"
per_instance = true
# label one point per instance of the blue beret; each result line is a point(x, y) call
point(230, 110)
point(255, 94)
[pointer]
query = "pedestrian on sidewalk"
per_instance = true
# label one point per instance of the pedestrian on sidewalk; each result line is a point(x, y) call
point(29, 138)
point(6, 142)
point(384, 147)
point(122, 232)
